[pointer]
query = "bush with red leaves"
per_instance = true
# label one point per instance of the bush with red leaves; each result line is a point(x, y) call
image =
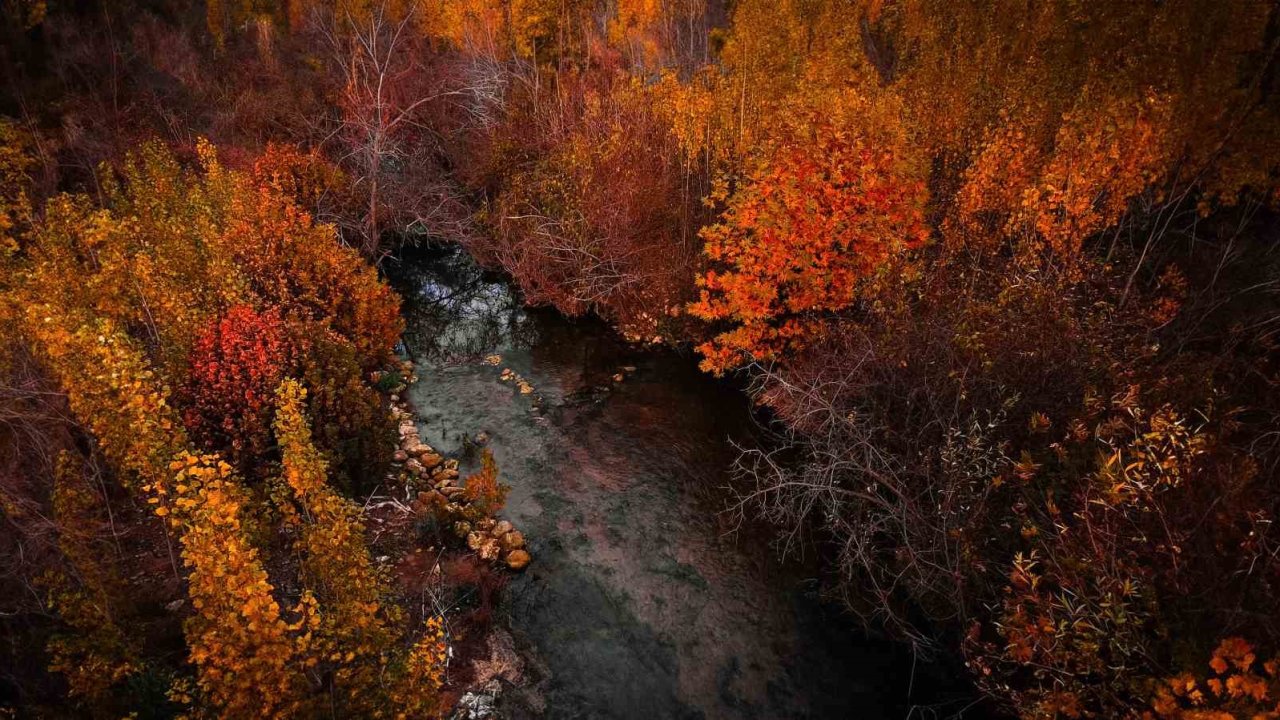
point(236, 364)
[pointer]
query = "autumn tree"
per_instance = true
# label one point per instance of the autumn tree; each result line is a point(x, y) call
point(355, 627)
point(95, 653)
point(349, 419)
point(605, 219)
point(387, 92)
point(1078, 123)
point(237, 639)
point(356, 639)
point(288, 260)
point(802, 237)
point(156, 290)
point(997, 419)
point(310, 180)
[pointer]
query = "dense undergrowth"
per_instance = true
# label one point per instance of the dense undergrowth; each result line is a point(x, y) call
point(1005, 271)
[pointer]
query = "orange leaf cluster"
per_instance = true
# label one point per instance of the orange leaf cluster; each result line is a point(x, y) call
point(1239, 687)
point(826, 211)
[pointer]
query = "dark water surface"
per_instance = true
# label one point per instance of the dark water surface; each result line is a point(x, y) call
point(639, 603)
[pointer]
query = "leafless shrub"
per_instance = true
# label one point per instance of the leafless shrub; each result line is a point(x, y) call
point(892, 516)
point(387, 88)
point(34, 427)
point(598, 214)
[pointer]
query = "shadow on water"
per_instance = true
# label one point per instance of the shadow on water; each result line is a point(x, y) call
point(639, 603)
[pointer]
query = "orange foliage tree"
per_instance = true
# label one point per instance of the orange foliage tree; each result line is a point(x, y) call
point(299, 266)
point(802, 236)
point(356, 638)
point(353, 631)
point(237, 639)
point(1054, 158)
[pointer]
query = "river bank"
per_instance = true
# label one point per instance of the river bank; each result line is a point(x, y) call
point(642, 600)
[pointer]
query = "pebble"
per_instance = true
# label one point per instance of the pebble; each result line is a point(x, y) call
point(491, 539)
point(489, 550)
point(518, 559)
point(475, 706)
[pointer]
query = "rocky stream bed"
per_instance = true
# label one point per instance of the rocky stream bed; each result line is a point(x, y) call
point(642, 600)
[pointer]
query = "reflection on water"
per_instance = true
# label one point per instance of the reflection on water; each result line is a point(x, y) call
point(639, 603)
point(455, 314)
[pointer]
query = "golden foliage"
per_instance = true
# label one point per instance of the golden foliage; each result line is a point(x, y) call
point(354, 634)
point(237, 638)
point(172, 251)
point(418, 693)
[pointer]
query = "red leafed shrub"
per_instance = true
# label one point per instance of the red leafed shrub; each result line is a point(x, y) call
point(822, 214)
point(236, 364)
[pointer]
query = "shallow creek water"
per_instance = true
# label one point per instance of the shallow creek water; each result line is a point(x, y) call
point(640, 602)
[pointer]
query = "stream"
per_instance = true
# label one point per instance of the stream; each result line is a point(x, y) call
point(642, 601)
